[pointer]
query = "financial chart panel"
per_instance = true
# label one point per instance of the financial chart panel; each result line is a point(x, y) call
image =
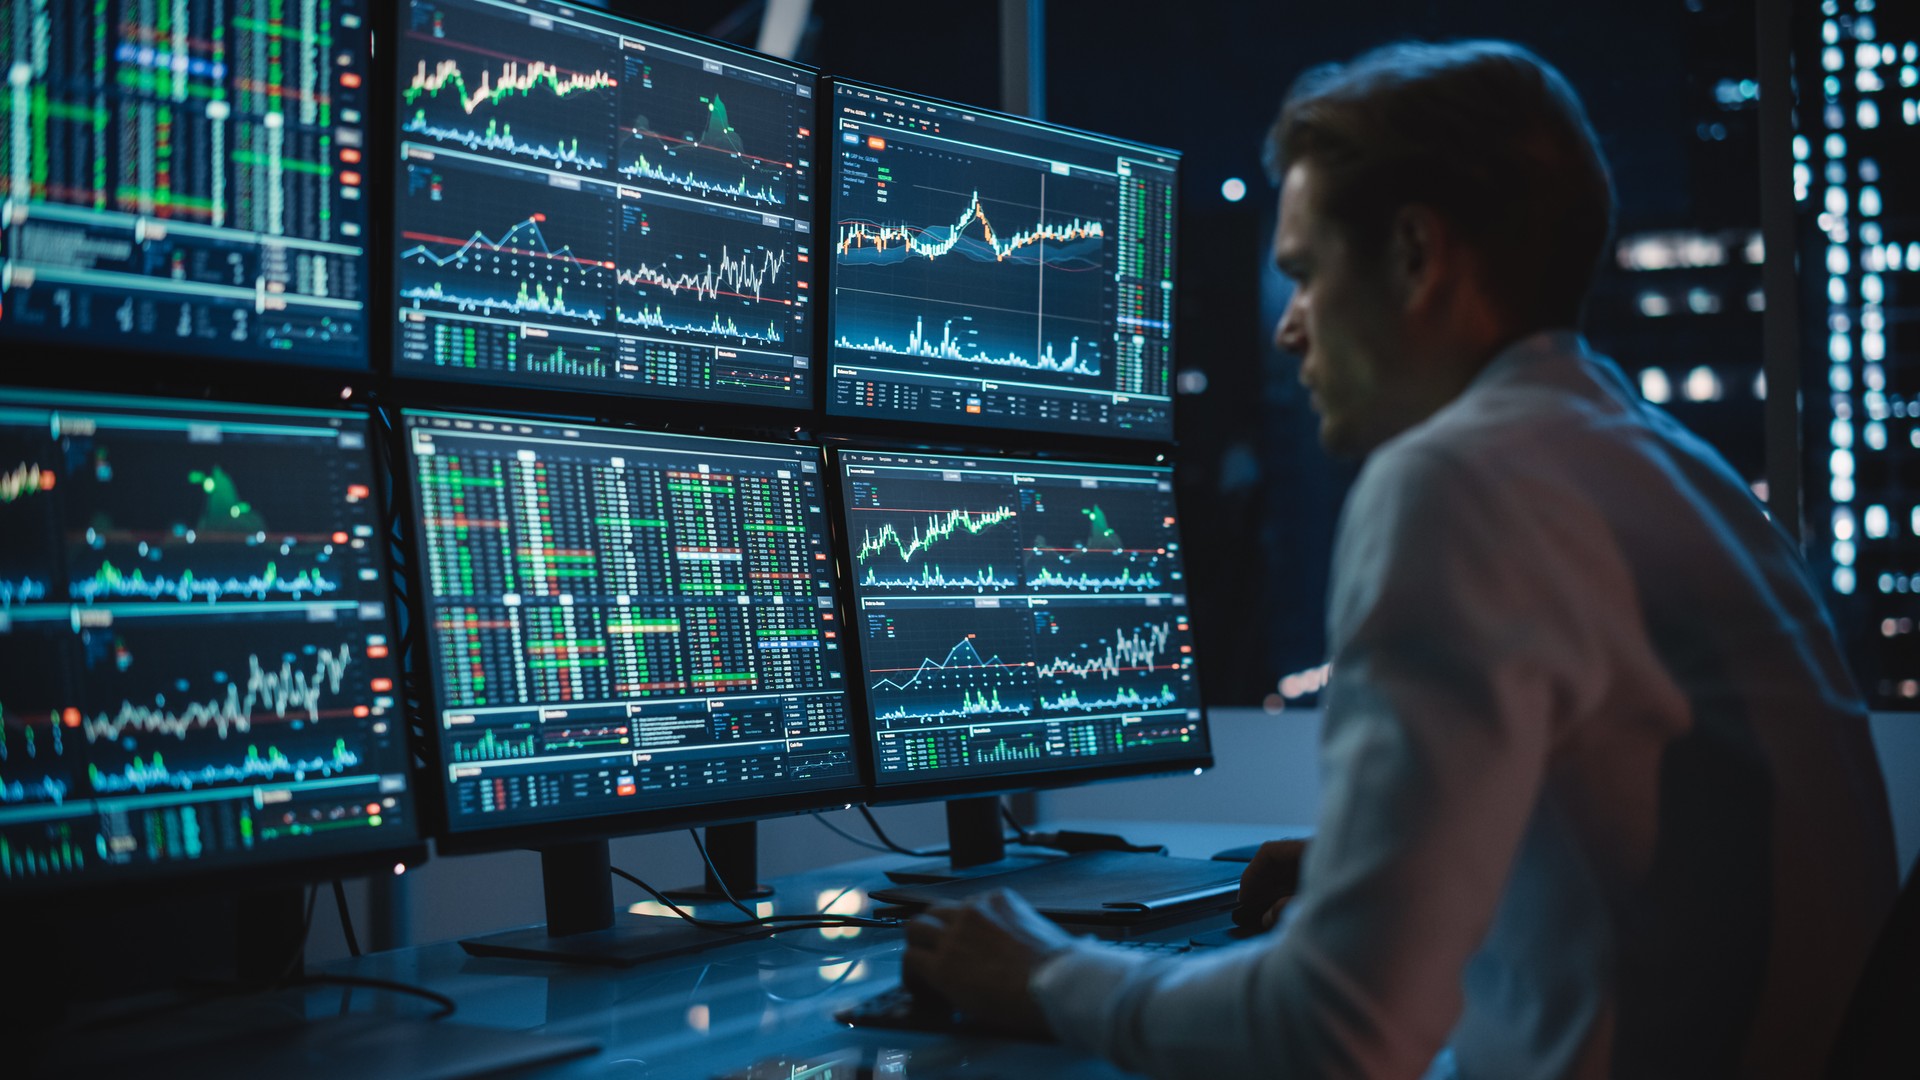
point(622, 621)
point(1019, 616)
point(585, 203)
point(185, 176)
point(991, 271)
point(194, 640)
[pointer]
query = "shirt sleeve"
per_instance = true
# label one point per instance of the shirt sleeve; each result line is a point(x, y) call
point(1457, 646)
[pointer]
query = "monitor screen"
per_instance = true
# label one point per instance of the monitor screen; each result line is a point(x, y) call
point(586, 203)
point(623, 622)
point(195, 662)
point(1019, 616)
point(185, 177)
point(994, 272)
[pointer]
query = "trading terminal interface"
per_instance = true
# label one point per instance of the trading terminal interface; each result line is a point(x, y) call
point(623, 621)
point(186, 177)
point(585, 203)
point(1019, 616)
point(994, 272)
point(195, 662)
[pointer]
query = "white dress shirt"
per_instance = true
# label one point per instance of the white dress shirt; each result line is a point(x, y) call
point(1600, 798)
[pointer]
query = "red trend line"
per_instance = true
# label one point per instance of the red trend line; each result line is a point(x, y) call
point(433, 238)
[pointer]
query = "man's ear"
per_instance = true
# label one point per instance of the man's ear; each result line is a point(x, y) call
point(1421, 253)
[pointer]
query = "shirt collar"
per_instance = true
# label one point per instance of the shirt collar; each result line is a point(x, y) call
point(1540, 345)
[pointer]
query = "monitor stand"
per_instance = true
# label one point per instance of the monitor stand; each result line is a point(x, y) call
point(733, 850)
point(582, 927)
point(976, 845)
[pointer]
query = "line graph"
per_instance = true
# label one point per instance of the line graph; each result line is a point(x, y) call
point(21, 590)
point(951, 347)
point(932, 578)
point(529, 300)
point(499, 138)
point(1139, 648)
point(708, 278)
point(1123, 698)
point(113, 583)
point(286, 690)
point(868, 243)
point(525, 238)
point(155, 774)
point(725, 276)
point(656, 318)
point(960, 683)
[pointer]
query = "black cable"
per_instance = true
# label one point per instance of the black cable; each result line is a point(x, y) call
point(718, 878)
point(346, 919)
point(820, 816)
point(891, 846)
point(1019, 830)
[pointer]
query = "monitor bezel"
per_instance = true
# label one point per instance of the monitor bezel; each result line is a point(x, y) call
point(459, 392)
point(421, 682)
point(882, 793)
point(1022, 438)
point(185, 876)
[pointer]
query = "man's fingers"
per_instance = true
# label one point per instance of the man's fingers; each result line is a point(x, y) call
point(925, 931)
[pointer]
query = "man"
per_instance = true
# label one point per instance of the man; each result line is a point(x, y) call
point(1600, 798)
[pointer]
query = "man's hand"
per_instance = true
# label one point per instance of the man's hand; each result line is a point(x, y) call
point(1270, 881)
point(979, 957)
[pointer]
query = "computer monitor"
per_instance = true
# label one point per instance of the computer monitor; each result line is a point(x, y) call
point(1022, 623)
point(198, 667)
point(626, 631)
point(990, 271)
point(586, 203)
point(186, 178)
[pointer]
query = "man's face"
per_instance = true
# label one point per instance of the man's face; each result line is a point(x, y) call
point(1343, 321)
